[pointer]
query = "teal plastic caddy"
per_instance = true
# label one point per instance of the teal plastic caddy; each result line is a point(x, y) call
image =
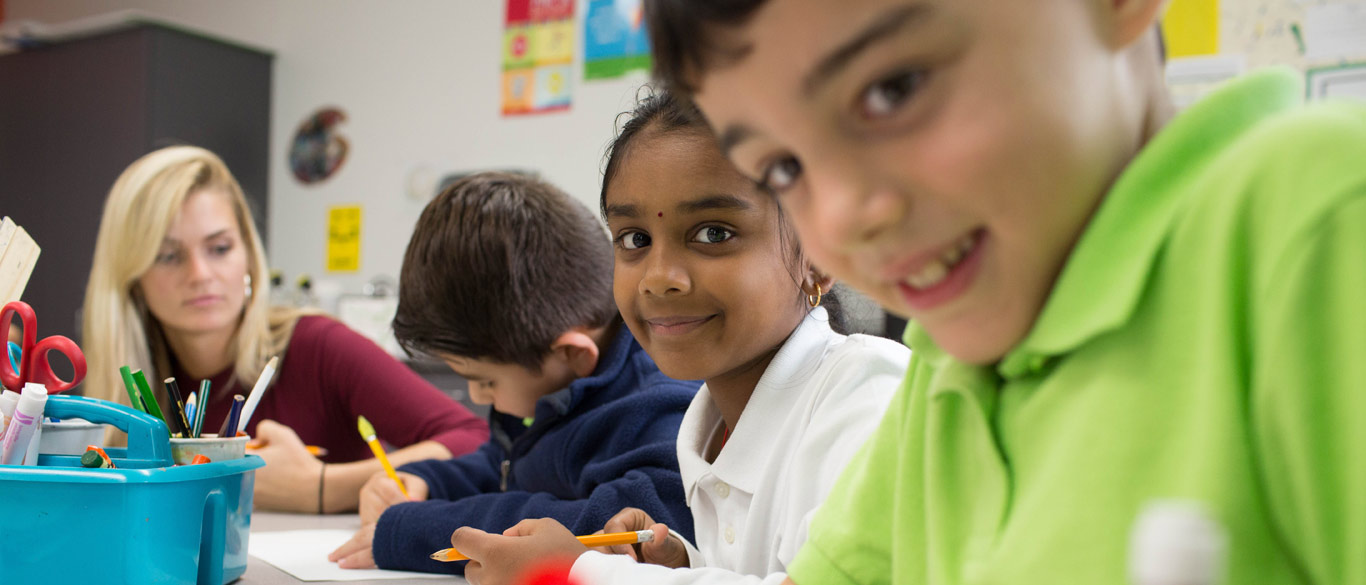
point(145, 522)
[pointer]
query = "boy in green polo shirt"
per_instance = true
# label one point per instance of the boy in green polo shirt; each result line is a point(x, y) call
point(1115, 309)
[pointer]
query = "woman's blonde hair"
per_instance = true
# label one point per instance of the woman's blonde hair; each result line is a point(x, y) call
point(117, 328)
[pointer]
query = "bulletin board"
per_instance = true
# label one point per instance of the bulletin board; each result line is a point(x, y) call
point(1322, 39)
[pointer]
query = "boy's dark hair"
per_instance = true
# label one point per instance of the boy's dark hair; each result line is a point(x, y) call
point(682, 37)
point(499, 266)
point(663, 111)
point(684, 44)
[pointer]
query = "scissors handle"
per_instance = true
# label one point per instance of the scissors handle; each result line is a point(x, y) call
point(38, 368)
point(12, 379)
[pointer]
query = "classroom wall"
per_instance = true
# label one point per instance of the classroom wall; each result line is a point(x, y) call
point(419, 82)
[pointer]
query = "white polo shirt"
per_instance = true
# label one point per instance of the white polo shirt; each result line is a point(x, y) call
point(819, 399)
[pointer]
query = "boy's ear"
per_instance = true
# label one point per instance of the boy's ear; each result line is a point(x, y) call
point(578, 350)
point(1131, 19)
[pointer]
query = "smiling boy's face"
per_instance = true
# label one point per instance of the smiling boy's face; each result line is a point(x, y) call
point(940, 155)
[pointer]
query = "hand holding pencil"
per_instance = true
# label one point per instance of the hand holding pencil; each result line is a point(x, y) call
point(664, 549)
point(539, 545)
point(450, 555)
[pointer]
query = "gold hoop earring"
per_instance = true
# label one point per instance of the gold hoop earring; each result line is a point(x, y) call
point(815, 300)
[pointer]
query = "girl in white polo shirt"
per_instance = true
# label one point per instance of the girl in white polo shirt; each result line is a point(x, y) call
point(710, 280)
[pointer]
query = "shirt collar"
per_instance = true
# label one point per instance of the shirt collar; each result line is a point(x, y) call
point(754, 438)
point(1104, 278)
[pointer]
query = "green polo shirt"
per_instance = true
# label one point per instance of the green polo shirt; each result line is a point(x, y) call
point(1205, 341)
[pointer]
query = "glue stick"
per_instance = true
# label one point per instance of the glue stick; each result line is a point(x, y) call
point(28, 415)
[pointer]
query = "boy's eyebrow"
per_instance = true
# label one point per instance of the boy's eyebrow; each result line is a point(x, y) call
point(713, 202)
point(880, 27)
point(623, 210)
point(731, 137)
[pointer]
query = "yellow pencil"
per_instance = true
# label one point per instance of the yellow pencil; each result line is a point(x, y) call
point(367, 433)
point(448, 555)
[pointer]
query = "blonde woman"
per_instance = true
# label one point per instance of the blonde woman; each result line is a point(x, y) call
point(177, 289)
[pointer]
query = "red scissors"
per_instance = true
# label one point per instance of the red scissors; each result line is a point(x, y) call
point(34, 365)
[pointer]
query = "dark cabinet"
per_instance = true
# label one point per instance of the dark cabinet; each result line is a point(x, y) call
point(74, 114)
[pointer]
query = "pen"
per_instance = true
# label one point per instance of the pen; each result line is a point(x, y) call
point(180, 425)
point(202, 409)
point(148, 400)
point(230, 422)
point(448, 555)
point(257, 391)
point(367, 432)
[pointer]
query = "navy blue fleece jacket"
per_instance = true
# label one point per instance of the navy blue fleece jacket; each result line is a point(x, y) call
point(606, 442)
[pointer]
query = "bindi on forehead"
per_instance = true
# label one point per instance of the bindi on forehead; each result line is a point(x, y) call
point(661, 214)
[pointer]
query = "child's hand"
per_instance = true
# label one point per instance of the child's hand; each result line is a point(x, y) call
point(663, 550)
point(501, 559)
point(380, 492)
point(356, 553)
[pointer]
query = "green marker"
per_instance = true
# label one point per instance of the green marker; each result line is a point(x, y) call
point(134, 397)
point(149, 399)
point(203, 407)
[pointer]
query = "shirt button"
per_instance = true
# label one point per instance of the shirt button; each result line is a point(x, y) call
point(722, 489)
point(730, 535)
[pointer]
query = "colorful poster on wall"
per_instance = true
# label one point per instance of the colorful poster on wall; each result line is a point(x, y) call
point(343, 238)
point(538, 56)
point(614, 39)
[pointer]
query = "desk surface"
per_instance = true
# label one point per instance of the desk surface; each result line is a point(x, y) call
point(260, 572)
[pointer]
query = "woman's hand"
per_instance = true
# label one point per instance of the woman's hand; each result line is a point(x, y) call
point(380, 492)
point(289, 481)
point(665, 549)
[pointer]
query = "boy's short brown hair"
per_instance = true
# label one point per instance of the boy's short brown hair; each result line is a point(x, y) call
point(683, 38)
point(685, 44)
point(499, 266)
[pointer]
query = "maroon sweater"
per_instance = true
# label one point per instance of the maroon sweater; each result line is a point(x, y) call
point(329, 376)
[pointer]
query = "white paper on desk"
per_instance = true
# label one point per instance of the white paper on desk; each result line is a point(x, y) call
point(303, 554)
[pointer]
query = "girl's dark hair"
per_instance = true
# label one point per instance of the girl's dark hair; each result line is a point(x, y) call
point(660, 109)
point(663, 111)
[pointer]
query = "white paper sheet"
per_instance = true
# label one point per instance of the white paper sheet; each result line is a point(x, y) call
point(303, 554)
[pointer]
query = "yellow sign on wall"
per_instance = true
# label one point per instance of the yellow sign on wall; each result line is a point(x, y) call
point(343, 238)
point(1191, 27)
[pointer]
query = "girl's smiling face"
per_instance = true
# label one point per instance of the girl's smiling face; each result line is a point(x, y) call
point(703, 278)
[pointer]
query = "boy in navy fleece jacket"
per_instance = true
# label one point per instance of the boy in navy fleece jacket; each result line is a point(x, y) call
point(509, 281)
